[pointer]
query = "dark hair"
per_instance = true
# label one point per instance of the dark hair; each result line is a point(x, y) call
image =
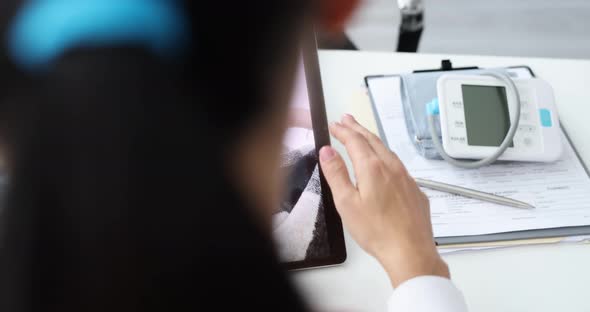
point(119, 194)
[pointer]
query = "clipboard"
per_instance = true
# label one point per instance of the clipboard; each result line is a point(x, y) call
point(523, 235)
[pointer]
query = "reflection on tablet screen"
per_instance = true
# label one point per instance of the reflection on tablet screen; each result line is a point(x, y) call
point(299, 224)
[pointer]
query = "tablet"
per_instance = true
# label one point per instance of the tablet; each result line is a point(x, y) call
point(306, 226)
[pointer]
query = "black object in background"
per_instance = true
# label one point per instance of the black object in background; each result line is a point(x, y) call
point(410, 34)
point(411, 26)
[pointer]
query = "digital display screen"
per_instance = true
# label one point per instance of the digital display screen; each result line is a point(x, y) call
point(299, 222)
point(487, 118)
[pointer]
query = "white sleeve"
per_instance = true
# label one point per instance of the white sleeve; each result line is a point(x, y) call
point(427, 293)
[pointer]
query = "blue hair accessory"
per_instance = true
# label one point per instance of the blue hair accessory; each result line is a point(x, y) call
point(45, 29)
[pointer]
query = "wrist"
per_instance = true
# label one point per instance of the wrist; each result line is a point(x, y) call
point(401, 269)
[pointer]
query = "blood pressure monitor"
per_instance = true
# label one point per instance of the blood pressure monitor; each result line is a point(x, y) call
point(476, 113)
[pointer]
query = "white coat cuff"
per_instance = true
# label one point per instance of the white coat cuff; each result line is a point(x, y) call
point(427, 293)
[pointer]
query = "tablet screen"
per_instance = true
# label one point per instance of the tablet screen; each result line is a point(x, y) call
point(299, 222)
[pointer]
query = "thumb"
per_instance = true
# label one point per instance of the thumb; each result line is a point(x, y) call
point(336, 174)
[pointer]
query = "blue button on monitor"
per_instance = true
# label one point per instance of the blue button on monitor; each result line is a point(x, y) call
point(545, 117)
point(432, 107)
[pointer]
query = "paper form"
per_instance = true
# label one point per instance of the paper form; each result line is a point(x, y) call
point(560, 191)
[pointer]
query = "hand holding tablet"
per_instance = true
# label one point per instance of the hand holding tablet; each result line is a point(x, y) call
point(385, 212)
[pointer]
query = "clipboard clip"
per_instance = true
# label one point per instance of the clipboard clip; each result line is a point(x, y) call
point(445, 65)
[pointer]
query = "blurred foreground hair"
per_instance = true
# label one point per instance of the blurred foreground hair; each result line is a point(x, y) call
point(119, 194)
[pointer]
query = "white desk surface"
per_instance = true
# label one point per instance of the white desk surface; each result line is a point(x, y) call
point(527, 278)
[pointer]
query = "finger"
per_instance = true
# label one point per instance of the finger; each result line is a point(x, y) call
point(353, 139)
point(336, 174)
point(384, 153)
point(374, 141)
point(364, 159)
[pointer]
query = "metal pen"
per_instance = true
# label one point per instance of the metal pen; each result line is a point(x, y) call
point(466, 192)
